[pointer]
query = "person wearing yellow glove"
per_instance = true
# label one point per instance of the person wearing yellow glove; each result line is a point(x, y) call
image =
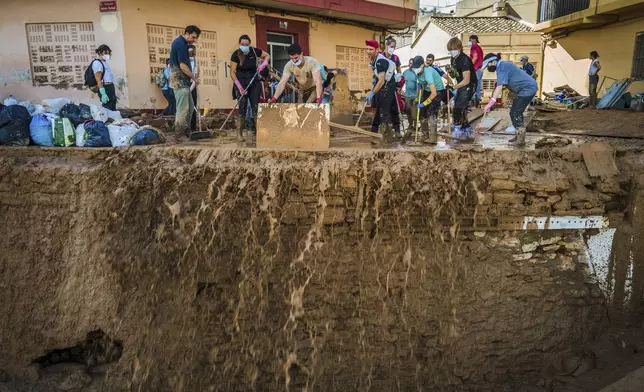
point(433, 92)
point(104, 77)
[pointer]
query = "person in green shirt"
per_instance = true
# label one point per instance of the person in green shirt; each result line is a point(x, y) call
point(433, 93)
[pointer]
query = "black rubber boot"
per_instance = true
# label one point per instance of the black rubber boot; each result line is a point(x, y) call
point(241, 122)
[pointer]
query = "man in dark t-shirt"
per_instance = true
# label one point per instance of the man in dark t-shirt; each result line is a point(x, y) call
point(384, 92)
point(463, 71)
point(181, 77)
point(247, 63)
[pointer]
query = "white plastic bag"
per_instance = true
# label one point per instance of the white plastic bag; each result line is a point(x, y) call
point(99, 113)
point(29, 106)
point(121, 132)
point(54, 105)
point(10, 101)
point(81, 135)
point(114, 115)
point(39, 109)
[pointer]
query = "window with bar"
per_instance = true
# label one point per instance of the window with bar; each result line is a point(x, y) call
point(638, 57)
point(553, 9)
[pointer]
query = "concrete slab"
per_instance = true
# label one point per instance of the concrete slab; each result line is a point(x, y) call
point(632, 382)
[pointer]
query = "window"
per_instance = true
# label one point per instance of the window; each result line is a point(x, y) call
point(60, 53)
point(355, 61)
point(160, 39)
point(277, 44)
point(638, 57)
point(489, 84)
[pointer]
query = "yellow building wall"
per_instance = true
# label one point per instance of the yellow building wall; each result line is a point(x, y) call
point(229, 23)
point(569, 62)
point(15, 66)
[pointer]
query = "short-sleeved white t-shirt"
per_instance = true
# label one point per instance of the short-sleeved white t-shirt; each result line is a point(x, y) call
point(304, 75)
point(108, 76)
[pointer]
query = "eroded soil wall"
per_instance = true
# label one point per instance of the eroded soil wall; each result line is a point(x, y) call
point(243, 269)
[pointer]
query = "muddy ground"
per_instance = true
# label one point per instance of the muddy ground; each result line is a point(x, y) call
point(607, 123)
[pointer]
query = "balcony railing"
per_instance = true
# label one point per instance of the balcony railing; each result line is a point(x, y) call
point(553, 9)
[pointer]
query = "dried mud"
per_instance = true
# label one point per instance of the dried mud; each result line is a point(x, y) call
point(235, 270)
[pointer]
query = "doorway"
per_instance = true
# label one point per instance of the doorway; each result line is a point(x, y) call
point(276, 46)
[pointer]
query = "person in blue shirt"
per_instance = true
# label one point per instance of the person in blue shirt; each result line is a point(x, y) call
point(168, 93)
point(526, 66)
point(520, 83)
point(410, 95)
point(181, 78)
point(433, 93)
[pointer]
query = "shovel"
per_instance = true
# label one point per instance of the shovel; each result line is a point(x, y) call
point(199, 134)
point(241, 96)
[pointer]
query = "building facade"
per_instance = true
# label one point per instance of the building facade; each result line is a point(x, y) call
point(45, 49)
point(572, 29)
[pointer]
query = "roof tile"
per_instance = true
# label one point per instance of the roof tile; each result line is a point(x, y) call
point(459, 25)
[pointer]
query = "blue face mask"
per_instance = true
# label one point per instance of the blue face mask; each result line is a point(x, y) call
point(244, 49)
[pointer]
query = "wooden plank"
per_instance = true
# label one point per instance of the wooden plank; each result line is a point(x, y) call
point(355, 130)
point(293, 125)
point(487, 123)
point(599, 159)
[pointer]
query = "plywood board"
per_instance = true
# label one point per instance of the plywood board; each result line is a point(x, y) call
point(293, 125)
point(487, 123)
point(599, 159)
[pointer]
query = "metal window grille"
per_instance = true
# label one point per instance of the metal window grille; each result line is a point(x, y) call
point(553, 9)
point(638, 57)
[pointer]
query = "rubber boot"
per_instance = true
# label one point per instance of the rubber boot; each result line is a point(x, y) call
point(433, 131)
point(519, 139)
point(240, 128)
point(387, 133)
point(424, 128)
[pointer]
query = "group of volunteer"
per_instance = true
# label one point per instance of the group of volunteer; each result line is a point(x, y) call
point(426, 86)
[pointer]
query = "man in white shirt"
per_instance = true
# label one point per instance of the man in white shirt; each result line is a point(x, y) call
point(104, 77)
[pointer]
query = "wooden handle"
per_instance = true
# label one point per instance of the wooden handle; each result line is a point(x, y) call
point(355, 130)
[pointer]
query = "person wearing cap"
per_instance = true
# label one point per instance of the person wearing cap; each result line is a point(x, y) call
point(433, 93)
point(384, 92)
point(462, 69)
point(476, 54)
point(520, 83)
point(308, 73)
point(526, 66)
point(410, 92)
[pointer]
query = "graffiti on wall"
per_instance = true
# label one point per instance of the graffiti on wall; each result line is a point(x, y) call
point(355, 61)
point(60, 53)
point(159, 40)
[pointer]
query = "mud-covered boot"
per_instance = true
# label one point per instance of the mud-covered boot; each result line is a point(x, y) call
point(241, 122)
point(433, 131)
point(387, 133)
point(519, 139)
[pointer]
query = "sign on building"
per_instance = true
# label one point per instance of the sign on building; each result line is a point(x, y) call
point(60, 53)
point(355, 61)
point(159, 40)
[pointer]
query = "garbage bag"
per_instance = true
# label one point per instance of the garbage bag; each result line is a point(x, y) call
point(96, 134)
point(81, 135)
point(121, 132)
point(14, 126)
point(40, 130)
point(147, 137)
point(29, 106)
point(38, 109)
point(72, 112)
point(10, 101)
point(85, 112)
point(64, 135)
point(55, 105)
point(99, 113)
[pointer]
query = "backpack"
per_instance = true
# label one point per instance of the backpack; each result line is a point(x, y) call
point(90, 79)
point(160, 79)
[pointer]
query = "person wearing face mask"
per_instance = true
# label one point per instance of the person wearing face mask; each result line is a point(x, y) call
point(181, 78)
point(433, 93)
point(466, 84)
point(246, 62)
point(476, 54)
point(309, 75)
point(410, 95)
point(526, 66)
point(384, 92)
point(520, 83)
point(104, 77)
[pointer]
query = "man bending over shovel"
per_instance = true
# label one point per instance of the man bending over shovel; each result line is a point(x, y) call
point(308, 74)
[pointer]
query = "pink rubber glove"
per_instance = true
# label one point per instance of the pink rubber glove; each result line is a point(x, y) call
point(263, 65)
point(490, 105)
point(273, 100)
point(240, 88)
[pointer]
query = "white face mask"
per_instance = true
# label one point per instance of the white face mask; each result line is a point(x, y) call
point(391, 50)
point(416, 70)
point(454, 53)
point(469, 43)
point(106, 57)
point(244, 48)
point(298, 62)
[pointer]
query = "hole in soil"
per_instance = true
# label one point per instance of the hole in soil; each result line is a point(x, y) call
point(97, 349)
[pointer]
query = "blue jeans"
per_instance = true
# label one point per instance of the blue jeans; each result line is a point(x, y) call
point(479, 89)
point(519, 105)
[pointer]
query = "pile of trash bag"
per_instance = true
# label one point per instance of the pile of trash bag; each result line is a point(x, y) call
point(59, 122)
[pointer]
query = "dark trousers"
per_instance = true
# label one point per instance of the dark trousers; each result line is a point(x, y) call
point(171, 110)
point(593, 81)
point(461, 103)
point(432, 109)
point(519, 105)
point(386, 108)
point(193, 119)
point(110, 90)
point(248, 104)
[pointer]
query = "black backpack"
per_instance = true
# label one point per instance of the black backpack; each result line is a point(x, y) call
point(90, 79)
